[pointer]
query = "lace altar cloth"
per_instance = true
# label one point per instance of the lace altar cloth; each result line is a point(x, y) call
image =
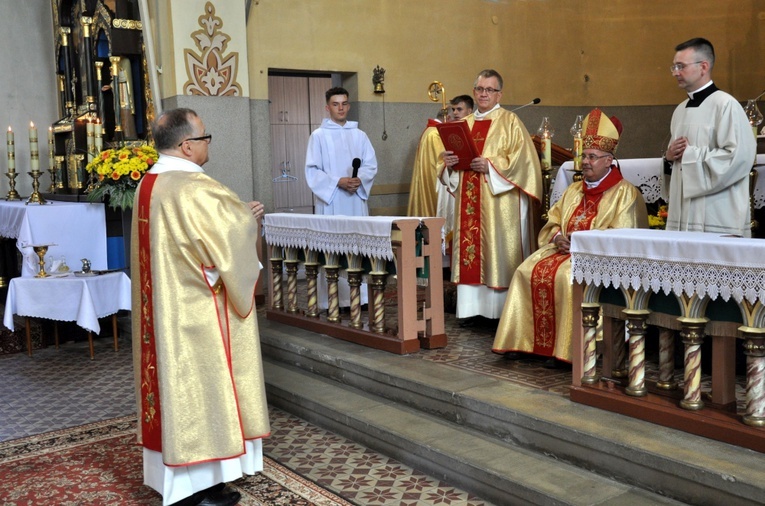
point(673, 262)
point(369, 236)
point(645, 173)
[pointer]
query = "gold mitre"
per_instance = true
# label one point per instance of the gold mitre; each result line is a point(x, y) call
point(600, 132)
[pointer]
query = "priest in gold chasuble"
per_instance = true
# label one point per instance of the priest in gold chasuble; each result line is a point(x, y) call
point(537, 317)
point(423, 197)
point(497, 203)
point(196, 350)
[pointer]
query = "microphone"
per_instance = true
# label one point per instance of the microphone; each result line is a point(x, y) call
point(356, 163)
point(533, 102)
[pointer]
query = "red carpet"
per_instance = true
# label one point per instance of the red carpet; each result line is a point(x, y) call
point(100, 464)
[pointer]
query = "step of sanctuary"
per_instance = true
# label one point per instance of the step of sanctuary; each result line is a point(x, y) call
point(502, 441)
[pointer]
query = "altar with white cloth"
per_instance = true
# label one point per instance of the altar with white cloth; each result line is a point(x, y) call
point(646, 174)
point(76, 229)
point(697, 271)
point(410, 243)
point(81, 299)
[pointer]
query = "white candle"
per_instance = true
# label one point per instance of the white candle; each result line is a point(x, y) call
point(90, 142)
point(547, 158)
point(51, 147)
point(33, 148)
point(11, 151)
point(99, 136)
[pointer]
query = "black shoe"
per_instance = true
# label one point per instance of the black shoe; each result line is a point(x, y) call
point(221, 498)
point(468, 322)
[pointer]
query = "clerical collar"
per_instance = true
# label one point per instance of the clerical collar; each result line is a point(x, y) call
point(595, 184)
point(695, 98)
point(167, 163)
point(481, 115)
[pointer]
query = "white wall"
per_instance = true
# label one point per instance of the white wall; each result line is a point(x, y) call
point(27, 85)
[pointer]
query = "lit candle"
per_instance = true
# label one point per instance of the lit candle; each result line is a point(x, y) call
point(99, 136)
point(11, 151)
point(33, 149)
point(90, 143)
point(51, 147)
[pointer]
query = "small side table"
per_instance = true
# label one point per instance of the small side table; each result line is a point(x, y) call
point(69, 298)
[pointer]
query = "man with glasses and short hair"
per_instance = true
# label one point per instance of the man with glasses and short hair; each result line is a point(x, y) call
point(497, 203)
point(538, 314)
point(711, 151)
point(202, 410)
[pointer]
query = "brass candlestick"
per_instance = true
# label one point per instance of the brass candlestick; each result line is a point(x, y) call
point(12, 193)
point(35, 197)
point(52, 172)
point(41, 250)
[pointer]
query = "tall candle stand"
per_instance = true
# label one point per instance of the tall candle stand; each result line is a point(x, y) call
point(12, 193)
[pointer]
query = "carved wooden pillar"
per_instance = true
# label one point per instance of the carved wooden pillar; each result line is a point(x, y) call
point(590, 313)
point(276, 278)
point(311, 276)
point(693, 335)
point(333, 301)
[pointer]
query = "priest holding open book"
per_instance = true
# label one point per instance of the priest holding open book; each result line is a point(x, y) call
point(498, 195)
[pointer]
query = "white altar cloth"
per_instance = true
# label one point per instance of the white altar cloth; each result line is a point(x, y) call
point(361, 235)
point(77, 229)
point(674, 262)
point(80, 299)
point(645, 173)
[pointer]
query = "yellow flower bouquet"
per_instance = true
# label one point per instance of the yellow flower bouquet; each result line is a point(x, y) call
point(658, 220)
point(118, 172)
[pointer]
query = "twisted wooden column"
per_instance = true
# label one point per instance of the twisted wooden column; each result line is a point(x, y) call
point(377, 319)
point(276, 277)
point(754, 349)
point(666, 360)
point(292, 268)
point(590, 313)
point(693, 335)
point(354, 272)
point(636, 324)
point(331, 270)
point(354, 281)
point(311, 277)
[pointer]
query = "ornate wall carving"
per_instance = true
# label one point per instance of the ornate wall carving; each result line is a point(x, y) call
point(211, 71)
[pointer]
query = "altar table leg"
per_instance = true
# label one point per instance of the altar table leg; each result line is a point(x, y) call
point(90, 343)
point(114, 331)
point(55, 333)
point(29, 337)
point(636, 373)
point(666, 360)
point(693, 335)
point(754, 349)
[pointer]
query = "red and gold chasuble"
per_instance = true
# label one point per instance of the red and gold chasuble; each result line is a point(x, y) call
point(543, 273)
point(470, 214)
point(150, 419)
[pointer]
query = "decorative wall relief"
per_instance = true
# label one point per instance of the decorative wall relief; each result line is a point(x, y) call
point(211, 71)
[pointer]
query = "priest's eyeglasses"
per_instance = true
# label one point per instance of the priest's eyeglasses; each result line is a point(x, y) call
point(591, 158)
point(679, 67)
point(481, 89)
point(207, 138)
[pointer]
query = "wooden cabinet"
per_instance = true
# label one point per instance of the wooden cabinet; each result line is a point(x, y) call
point(296, 108)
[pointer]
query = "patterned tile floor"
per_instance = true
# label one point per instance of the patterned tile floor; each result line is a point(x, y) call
point(62, 388)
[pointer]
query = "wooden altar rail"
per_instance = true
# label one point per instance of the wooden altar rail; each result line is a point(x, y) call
point(620, 385)
point(414, 332)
